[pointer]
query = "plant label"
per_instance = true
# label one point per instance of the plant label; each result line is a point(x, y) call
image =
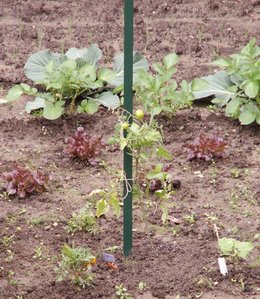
point(222, 266)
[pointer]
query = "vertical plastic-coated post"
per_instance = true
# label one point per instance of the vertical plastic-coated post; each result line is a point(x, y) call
point(128, 106)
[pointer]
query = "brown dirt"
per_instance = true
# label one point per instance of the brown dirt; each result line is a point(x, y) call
point(183, 262)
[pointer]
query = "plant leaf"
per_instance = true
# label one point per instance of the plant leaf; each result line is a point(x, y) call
point(89, 106)
point(53, 111)
point(198, 84)
point(35, 65)
point(257, 119)
point(14, 93)
point(233, 107)
point(222, 62)
point(75, 53)
point(108, 99)
point(226, 245)
point(251, 88)
point(106, 75)
point(34, 105)
point(244, 248)
point(161, 152)
point(247, 117)
point(102, 207)
point(139, 63)
point(90, 55)
point(170, 60)
point(114, 202)
point(218, 85)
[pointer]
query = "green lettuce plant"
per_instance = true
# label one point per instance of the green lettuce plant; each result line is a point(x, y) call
point(72, 81)
point(237, 88)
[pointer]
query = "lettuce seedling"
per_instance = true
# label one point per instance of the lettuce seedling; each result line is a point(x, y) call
point(205, 147)
point(84, 147)
point(22, 181)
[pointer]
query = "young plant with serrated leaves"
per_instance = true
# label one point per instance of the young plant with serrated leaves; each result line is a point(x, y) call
point(142, 137)
point(206, 147)
point(238, 87)
point(84, 147)
point(106, 200)
point(234, 249)
point(76, 265)
point(22, 182)
point(84, 220)
point(159, 182)
point(72, 81)
point(159, 93)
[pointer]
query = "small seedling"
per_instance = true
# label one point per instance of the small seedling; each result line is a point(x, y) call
point(191, 219)
point(84, 220)
point(121, 293)
point(76, 264)
point(38, 252)
point(235, 173)
point(112, 249)
point(235, 249)
point(142, 286)
point(7, 241)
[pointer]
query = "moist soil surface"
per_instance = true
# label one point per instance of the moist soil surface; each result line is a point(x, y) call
point(178, 258)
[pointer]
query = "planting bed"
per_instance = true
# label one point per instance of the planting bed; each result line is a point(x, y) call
point(179, 258)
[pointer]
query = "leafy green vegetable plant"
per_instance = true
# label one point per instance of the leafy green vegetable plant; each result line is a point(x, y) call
point(72, 77)
point(158, 92)
point(76, 264)
point(235, 249)
point(238, 87)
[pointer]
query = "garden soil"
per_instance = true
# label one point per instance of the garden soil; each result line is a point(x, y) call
point(179, 258)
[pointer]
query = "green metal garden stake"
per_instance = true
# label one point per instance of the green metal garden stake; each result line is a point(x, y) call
point(128, 106)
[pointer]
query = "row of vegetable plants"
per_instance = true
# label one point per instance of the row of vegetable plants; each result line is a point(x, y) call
point(75, 82)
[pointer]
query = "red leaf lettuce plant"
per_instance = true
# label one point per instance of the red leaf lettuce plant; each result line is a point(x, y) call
point(84, 147)
point(22, 181)
point(205, 147)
